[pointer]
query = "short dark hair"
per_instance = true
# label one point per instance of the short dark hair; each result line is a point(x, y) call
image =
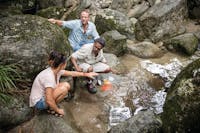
point(100, 41)
point(56, 59)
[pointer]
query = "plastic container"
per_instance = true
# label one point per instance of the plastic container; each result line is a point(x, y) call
point(107, 85)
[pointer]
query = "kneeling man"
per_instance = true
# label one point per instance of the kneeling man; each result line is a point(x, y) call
point(89, 58)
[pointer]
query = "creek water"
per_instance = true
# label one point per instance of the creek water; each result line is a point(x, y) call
point(139, 89)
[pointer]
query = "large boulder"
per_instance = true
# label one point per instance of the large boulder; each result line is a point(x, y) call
point(27, 40)
point(161, 21)
point(46, 123)
point(14, 111)
point(107, 20)
point(52, 12)
point(181, 109)
point(143, 122)
point(145, 50)
point(115, 43)
point(122, 5)
point(48, 3)
point(186, 43)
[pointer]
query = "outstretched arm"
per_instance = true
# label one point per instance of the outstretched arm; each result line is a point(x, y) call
point(54, 21)
point(79, 74)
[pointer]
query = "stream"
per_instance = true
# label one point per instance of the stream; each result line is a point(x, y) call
point(141, 88)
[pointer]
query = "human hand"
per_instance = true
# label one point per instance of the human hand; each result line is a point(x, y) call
point(52, 20)
point(78, 69)
point(92, 74)
point(61, 111)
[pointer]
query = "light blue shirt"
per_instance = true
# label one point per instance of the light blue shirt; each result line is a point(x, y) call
point(77, 37)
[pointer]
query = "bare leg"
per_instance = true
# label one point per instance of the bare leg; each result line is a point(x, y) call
point(61, 91)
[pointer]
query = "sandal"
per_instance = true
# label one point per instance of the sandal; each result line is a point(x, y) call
point(50, 111)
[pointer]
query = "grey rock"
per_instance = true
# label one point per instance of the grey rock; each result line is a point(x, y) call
point(162, 21)
point(115, 43)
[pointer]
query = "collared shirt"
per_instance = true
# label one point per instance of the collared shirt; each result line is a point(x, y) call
point(85, 55)
point(44, 79)
point(77, 37)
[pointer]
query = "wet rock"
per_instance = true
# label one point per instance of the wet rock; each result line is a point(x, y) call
point(162, 21)
point(145, 50)
point(186, 43)
point(114, 63)
point(115, 43)
point(181, 109)
point(143, 122)
point(27, 40)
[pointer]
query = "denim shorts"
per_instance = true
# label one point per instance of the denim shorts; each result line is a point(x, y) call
point(41, 105)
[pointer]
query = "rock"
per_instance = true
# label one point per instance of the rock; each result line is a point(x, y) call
point(115, 43)
point(138, 10)
point(114, 63)
point(48, 3)
point(122, 6)
point(85, 4)
point(47, 123)
point(107, 20)
point(15, 111)
point(162, 21)
point(145, 50)
point(181, 109)
point(194, 9)
point(186, 43)
point(9, 12)
point(143, 122)
point(52, 12)
point(27, 40)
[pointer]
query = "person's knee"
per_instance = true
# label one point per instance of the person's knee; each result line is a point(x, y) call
point(108, 70)
point(65, 87)
point(90, 69)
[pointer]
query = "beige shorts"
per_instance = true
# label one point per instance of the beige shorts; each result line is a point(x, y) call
point(98, 67)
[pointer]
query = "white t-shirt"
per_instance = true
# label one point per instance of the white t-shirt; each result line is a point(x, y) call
point(44, 79)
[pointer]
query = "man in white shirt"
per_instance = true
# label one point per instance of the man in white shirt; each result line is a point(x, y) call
point(89, 58)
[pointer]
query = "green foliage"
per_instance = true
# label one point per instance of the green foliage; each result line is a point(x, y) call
point(9, 75)
point(4, 98)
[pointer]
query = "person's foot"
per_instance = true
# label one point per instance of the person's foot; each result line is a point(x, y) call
point(91, 87)
point(69, 96)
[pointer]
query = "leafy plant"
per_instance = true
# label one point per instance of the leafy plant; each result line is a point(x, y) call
point(9, 75)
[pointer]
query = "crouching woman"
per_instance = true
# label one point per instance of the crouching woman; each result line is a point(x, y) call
point(46, 91)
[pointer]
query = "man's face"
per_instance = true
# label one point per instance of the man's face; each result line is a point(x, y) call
point(84, 17)
point(97, 47)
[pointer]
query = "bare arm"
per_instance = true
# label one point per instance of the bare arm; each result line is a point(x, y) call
point(54, 21)
point(74, 62)
point(51, 101)
point(80, 74)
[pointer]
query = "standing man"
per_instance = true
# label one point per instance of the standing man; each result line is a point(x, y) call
point(82, 31)
point(89, 58)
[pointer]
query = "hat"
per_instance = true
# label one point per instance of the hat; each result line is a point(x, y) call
point(100, 41)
